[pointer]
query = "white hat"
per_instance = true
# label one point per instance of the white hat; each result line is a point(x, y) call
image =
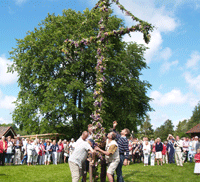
point(196, 137)
point(72, 139)
point(18, 135)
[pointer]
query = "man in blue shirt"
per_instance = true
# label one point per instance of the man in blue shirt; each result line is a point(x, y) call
point(122, 142)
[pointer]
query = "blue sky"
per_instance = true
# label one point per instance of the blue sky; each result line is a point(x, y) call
point(173, 55)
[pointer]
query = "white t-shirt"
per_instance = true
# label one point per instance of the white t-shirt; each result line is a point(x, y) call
point(146, 148)
point(24, 144)
point(80, 153)
point(80, 140)
point(9, 149)
point(29, 149)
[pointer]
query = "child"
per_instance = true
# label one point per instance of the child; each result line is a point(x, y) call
point(191, 154)
point(153, 159)
point(197, 162)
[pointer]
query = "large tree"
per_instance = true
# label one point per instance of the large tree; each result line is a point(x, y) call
point(56, 94)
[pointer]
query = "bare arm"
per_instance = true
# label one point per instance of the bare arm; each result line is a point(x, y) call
point(102, 151)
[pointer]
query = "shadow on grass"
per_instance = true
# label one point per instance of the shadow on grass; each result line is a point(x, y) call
point(2, 174)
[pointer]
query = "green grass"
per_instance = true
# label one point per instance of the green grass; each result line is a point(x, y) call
point(134, 172)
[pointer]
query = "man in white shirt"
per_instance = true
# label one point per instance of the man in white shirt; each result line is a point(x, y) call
point(79, 156)
point(178, 144)
point(82, 138)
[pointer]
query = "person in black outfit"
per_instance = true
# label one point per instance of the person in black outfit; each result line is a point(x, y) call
point(159, 148)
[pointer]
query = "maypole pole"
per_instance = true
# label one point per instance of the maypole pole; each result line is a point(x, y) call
point(72, 48)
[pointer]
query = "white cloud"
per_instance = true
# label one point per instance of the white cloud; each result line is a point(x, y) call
point(165, 54)
point(194, 60)
point(6, 102)
point(173, 97)
point(193, 100)
point(6, 78)
point(158, 118)
point(4, 121)
point(19, 2)
point(194, 82)
point(167, 65)
point(159, 17)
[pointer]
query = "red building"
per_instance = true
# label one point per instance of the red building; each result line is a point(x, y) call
point(195, 131)
point(7, 131)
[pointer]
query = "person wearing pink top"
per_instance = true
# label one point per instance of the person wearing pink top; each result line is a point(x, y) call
point(164, 153)
point(59, 151)
point(3, 149)
point(154, 146)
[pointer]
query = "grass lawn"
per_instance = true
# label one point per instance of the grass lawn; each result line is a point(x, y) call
point(134, 172)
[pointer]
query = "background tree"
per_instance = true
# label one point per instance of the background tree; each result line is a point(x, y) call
point(181, 128)
point(56, 95)
point(146, 129)
point(164, 130)
point(195, 118)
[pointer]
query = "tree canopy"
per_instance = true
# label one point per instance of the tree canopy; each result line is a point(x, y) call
point(195, 118)
point(164, 130)
point(146, 129)
point(56, 94)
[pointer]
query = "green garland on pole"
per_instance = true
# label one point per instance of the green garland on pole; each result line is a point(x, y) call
point(72, 48)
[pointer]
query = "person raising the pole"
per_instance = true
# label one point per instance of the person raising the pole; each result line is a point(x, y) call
point(111, 154)
point(122, 142)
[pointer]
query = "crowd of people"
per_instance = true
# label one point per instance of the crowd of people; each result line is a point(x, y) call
point(33, 151)
point(173, 149)
point(117, 149)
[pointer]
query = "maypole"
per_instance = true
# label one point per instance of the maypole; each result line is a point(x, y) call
point(72, 48)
